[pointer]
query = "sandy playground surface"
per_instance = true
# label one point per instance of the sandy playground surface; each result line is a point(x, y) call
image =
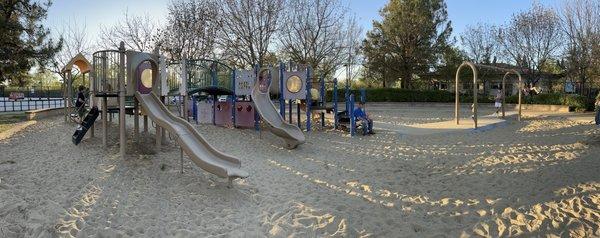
point(539, 177)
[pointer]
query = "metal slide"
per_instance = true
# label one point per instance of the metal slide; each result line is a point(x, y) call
point(194, 145)
point(292, 135)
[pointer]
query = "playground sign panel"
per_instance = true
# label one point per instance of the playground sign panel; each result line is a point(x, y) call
point(244, 80)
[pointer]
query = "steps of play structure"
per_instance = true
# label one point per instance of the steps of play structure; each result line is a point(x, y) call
point(87, 123)
point(292, 135)
point(195, 146)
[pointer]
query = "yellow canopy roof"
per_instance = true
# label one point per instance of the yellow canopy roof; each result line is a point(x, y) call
point(82, 63)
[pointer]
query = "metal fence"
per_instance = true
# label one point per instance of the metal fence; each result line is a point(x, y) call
point(32, 91)
point(26, 104)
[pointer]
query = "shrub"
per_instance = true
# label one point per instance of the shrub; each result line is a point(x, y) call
point(575, 102)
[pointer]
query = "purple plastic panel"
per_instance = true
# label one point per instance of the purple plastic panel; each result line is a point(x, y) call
point(244, 114)
point(205, 112)
point(223, 114)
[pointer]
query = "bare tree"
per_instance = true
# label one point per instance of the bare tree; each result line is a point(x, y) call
point(75, 41)
point(581, 25)
point(531, 39)
point(353, 37)
point(319, 33)
point(247, 29)
point(480, 43)
point(191, 29)
point(138, 32)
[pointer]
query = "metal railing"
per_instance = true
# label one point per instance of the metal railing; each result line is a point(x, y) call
point(107, 65)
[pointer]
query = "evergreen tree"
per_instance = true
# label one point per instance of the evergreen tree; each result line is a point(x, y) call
point(409, 40)
point(24, 41)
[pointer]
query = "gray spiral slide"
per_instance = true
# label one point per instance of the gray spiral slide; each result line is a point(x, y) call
point(195, 146)
point(291, 134)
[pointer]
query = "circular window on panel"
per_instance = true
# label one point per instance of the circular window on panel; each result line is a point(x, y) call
point(147, 78)
point(294, 84)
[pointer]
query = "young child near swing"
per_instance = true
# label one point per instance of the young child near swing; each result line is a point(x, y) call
point(363, 118)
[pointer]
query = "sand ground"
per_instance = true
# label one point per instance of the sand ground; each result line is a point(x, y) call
point(539, 177)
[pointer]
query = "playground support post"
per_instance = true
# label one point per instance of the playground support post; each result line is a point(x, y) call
point(298, 115)
point(351, 113)
point(215, 99)
point(475, 96)
point(66, 110)
point(163, 132)
point(347, 94)
point(290, 112)
point(183, 89)
point(504, 95)
point(457, 93)
point(233, 99)
point(322, 100)
point(185, 107)
point(520, 97)
point(69, 91)
point(256, 115)
point(335, 104)
point(308, 99)
point(520, 88)
point(136, 119)
point(194, 109)
point(104, 122)
point(281, 99)
point(93, 101)
point(122, 136)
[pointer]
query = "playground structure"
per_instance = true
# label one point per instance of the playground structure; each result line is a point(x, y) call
point(139, 83)
point(297, 87)
point(202, 81)
point(476, 88)
point(141, 77)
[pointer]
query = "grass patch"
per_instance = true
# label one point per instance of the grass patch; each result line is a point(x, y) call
point(7, 121)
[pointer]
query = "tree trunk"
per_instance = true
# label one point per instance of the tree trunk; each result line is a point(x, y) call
point(406, 78)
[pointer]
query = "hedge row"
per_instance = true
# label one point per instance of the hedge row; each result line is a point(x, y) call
point(406, 95)
point(577, 102)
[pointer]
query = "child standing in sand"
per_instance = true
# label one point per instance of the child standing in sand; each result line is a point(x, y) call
point(363, 119)
point(473, 112)
point(498, 102)
point(597, 108)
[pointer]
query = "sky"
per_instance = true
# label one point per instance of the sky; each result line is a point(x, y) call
point(462, 13)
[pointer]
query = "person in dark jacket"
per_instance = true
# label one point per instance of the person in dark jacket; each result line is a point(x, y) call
point(80, 103)
point(363, 119)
